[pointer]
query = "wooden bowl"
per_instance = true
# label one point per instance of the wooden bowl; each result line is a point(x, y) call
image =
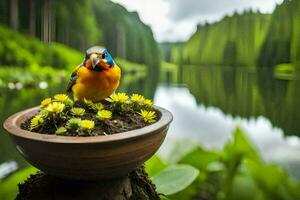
point(88, 158)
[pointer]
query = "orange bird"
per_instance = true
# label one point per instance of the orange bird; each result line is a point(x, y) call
point(96, 78)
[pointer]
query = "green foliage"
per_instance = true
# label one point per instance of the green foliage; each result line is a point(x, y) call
point(236, 172)
point(81, 24)
point(9, 186)
point(235, 40)
point(246, 39)
point(154, 165)
point(168, 51)
point(128, 67)
point(20, 50)
point(32, 76)
point(125, 35)
point(74, 123)
point(174, 178)
point(61, 131)
point(77, 111)
point(282, 44)
point(285, 71)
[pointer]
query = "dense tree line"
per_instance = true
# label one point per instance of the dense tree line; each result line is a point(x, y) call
point(83, 23)
point(235, 40)
point(282, 44)
point(248, 39)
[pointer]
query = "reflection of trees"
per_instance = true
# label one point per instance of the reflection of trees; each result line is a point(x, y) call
point(243, 92)
point(139, 82)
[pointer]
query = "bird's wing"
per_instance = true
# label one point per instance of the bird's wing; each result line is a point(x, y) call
point(73, 79)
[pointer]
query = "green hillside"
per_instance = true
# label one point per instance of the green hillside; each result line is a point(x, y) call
point(19, 50)
point(83, 23)
point(235, 40)
point(282, 44)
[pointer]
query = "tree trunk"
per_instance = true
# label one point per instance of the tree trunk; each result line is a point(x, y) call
point(46, 24)
point(32, 17)
point(14, 14)
point(135, 186)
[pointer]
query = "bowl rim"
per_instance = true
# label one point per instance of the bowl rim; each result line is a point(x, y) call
point(12, 127)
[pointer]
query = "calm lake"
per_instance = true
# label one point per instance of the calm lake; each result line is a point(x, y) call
point(207, 104)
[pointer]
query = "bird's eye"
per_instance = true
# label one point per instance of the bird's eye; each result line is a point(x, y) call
point(103, 56)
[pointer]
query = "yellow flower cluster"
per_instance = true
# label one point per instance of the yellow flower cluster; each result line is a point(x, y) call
point(55, 107)
point(104, 114)
point(61, 97)
point(61, 107)
point(148, 103)
point(148, 116)
point(137, 98)
point(36, 121)
point(141, 100)
point(46, 102)
point(87, 124)
point(94, 106)
point(119, 98)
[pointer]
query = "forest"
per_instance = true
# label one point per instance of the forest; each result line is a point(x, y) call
point(245, 39)
point(79, 25)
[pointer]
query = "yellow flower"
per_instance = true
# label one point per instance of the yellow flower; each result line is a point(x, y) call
point(104, 114)
point(36, 121)
point(148, 103)
point(87, 124)
point(55, 107)
point(46, 102)
point(148, 116)
point(61, 97)
point(98, 106)
point(77, 111)
point(137, 98)
point(87, 102)
point(119, 98)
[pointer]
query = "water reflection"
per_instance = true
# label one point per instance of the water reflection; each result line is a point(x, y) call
point(247, 93)
point(211, 127)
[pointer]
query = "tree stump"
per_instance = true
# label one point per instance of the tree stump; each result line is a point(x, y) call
point(135, 186)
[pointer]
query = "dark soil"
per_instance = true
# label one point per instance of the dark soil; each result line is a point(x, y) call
point(121, 121)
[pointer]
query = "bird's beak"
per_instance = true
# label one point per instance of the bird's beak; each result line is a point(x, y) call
point(95, 61)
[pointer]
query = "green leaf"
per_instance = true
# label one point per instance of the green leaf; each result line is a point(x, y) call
point(243, 146)
point(200, 158)
point(61, 131)
point(178, 149)
point(175, 178)
point(154, 165)
point(273, 181)
point(9, 186)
